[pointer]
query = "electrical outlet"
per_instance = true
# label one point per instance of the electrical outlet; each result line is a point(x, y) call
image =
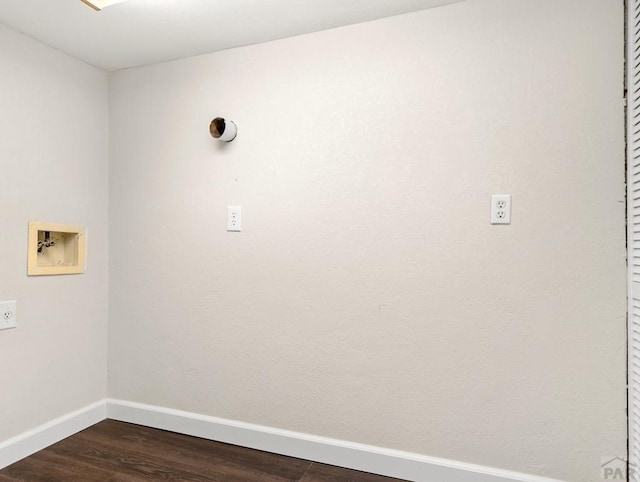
point(8, 317)
point(501, 209)
point(234, 218)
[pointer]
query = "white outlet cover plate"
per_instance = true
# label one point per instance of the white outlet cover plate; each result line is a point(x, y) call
point(8, 315)
point(501, 209)
point(234, 218)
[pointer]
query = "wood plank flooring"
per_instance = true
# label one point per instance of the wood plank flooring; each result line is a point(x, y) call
point(113, 451)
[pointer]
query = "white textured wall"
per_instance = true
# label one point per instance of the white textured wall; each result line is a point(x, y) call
point(53, 168)
point(368, 298)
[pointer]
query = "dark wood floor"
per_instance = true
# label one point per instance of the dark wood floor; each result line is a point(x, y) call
point(113, 451)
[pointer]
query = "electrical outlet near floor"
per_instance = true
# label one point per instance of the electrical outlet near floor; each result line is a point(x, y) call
point(501, 209)
point(234, 218)
point(8, 317)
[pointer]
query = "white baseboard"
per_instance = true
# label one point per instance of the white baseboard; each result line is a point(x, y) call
point(392, 463)
point(41, 437)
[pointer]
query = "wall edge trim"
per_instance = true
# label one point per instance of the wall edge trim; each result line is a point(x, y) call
point(27, 443)
point(389, 462)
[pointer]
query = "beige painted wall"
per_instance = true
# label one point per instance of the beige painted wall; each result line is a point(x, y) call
point(53, 168)
point(368, 297)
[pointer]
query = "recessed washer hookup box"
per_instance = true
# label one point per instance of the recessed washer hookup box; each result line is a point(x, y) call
point(55, 249)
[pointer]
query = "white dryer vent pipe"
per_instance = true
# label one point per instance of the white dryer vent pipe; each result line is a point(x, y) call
point(223, 130)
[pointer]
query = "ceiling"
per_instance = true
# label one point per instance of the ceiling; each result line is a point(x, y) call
point(142, 32)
